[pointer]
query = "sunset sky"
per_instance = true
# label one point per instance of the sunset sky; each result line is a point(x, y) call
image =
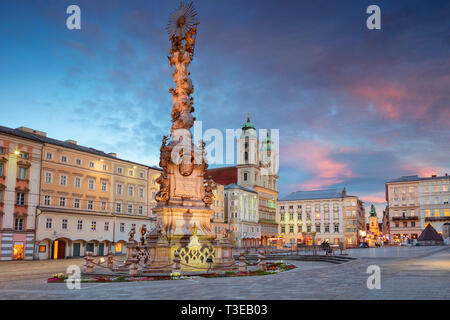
point(355, 107)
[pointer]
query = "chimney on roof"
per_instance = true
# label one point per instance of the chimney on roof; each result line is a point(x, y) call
point(29, 130)
point(113, 154)
point(71, 141)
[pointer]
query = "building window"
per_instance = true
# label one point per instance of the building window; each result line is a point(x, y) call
point(47, 200)
point(90, 205)
point(141, 192)
point(308, 228)
point(80, 225)
point(18, 224)
point(118, 207)
point(104, 186)
point(130, 173)
point(2, 170)
point(48, 177)
point(62, 201)
point(93, 225)
point(106, 226)
point(91, 184)
point(49, 223)
point(119, 170)
point(49, 155)
point(130, 191)
point(105, 167)
point(22, 173)
point(318, 227)
point(245, 176)
point(76, 203)
point(24, 155)
point(64, 224)
point(63, 158)
point(104, 205)
point(118, 247)
point(413, 224)
point(436, 212)
point(20, 199)
point(78, 162)
point(119, 188)
point(63, 180)
point(140, 209)
point(427, 213)
point(91, 164)
point(291, 229)
point(130, 208)
point(336, 227)
point(122, 227)
point(283, 229)
point(141, 175)
point(77, 182)
point(327, 228)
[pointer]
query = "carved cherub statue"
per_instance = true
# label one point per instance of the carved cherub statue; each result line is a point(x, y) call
point(131, 234)
point(143, 231)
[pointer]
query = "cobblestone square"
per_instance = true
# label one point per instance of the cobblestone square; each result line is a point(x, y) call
point(406, 273)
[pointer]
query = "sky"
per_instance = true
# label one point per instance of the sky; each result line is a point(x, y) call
point(355, 107)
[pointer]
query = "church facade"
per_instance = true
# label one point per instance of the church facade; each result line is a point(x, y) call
point(256, 169)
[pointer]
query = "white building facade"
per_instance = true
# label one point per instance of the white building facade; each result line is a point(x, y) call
point(241, 210)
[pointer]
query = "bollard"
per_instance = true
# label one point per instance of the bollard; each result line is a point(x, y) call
point(176, 262)
point(242, 263)
point(262, 262)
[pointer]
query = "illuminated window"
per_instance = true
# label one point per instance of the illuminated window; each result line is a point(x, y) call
point(445, 188)
point(447, 212)
point(42, 248)
point(427, 213)
point(436, 212)
point(118, 247)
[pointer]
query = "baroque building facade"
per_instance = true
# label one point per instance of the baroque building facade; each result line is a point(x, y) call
point(307, 216)
point(20, 159)
point(70, 199)
point(241, 208)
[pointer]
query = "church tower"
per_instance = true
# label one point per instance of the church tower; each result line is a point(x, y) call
point(248, 156)
point(268, 163)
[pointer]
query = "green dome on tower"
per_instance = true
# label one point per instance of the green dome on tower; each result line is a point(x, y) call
point(248, 125)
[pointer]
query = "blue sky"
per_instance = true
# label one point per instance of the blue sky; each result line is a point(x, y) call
point(354, 107)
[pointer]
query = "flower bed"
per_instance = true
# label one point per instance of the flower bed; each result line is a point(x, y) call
point(272, 268)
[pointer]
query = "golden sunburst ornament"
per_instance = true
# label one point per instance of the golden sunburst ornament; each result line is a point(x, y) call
point(182, 19)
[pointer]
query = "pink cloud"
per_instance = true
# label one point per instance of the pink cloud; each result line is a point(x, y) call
point(376, 197)
point(317, 159)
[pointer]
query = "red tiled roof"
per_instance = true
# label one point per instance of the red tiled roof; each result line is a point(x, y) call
point(225, 175)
